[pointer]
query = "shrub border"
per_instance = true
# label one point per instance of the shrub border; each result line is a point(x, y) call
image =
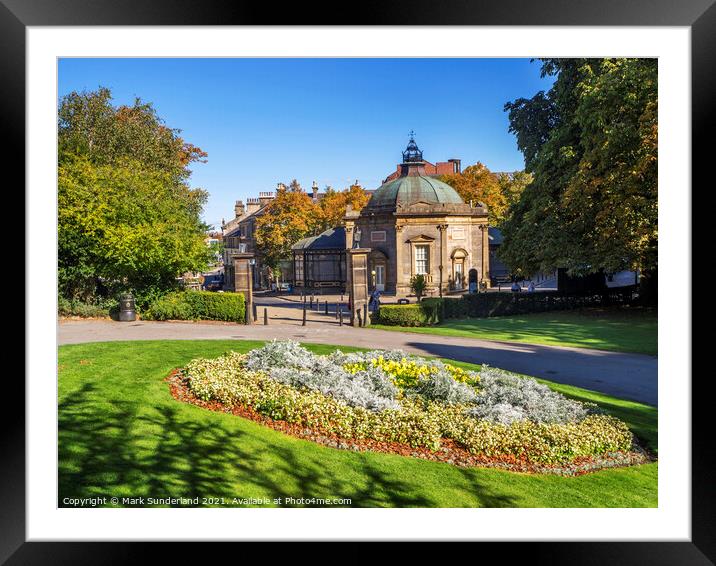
point(434, 310)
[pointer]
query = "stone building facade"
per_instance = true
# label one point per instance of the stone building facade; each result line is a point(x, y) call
point(416, 224)
point(413, 224)
point(238, 236)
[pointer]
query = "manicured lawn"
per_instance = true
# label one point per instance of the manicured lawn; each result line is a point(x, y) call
point(122, 434)
point(618, 330)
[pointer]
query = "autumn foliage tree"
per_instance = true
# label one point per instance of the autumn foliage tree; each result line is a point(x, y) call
point(127, 217)
point(292, 215)
point(332, 206)
point(288, 218)
point(591, 145)
point(497, 191)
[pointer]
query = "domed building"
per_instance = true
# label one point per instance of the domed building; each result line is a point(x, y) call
point(416, 224)
point(413, 224)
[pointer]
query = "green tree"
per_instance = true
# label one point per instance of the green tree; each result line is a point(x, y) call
point(590, 144)
point(127, 218)
point(512, 185)
point(90, 125)
point(129, 227)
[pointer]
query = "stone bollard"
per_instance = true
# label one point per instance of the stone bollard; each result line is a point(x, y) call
point(253, 309)
point(303, 323)
point(265, 316)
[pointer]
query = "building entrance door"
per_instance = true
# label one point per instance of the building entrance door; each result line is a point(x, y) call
point(380, 278)
point(459, 277)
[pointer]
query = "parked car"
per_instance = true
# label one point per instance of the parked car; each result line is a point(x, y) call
point(213, 282)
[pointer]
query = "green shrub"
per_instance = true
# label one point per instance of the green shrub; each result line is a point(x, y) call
point(67, 307)
point(433, 308)
point(418, 285)
point(426, 312)
point(199, 305)
point(481, 305)
point(173, 306)
point(206, 305)
point(402, 315)
point(484, 305)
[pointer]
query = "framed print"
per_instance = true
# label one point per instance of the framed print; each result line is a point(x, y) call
point(390, 277)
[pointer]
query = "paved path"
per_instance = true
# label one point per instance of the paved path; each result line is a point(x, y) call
point(628, 376)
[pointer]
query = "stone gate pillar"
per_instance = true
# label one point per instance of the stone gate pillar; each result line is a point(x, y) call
point(357, 284)
point(244, 281)
point(485, 275)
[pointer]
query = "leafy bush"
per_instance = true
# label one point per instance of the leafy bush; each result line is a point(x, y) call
point(418, 285)
point(505, 415)
point(82, 309)
point(483, 305)
point(198, 305)
point(402, 315)
point(434, 310)
point(426, 312)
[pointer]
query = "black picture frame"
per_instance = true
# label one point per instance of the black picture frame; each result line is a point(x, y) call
point(699, 15)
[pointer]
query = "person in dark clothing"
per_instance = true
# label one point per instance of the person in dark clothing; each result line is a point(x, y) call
point(374, 302)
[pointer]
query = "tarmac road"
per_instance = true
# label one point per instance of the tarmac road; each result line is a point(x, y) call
point(628, 376)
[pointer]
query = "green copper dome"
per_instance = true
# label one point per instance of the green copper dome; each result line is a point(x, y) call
point(411, 189)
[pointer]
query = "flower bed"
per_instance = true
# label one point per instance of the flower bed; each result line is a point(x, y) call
point(391, 398)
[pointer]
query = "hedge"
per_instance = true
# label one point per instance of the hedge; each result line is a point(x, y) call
point(199, 305)
point(484, 305)
point(402, 315)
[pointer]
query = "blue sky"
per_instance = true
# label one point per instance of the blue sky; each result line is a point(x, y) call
point(264, 121)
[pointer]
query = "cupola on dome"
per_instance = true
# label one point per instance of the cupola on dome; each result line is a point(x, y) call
point(412, 186)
